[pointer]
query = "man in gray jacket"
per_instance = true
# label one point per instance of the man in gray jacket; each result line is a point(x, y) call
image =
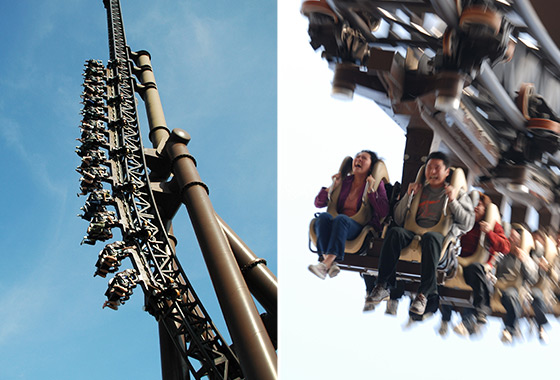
point(430, 208)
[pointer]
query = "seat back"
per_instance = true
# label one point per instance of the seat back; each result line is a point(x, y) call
point(380, 175)
point(527, 242)
point(456, 179)
point(344, 170)
point(481, 255)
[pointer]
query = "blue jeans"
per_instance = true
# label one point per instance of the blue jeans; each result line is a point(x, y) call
point(332, 233)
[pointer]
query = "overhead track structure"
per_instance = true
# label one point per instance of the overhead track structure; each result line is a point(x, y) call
point(148, 186)
point(477, 79)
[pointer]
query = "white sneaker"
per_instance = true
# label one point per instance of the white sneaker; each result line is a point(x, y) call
point(333, 270)
point(392, 307)
point(320, 270)
point(506, 337)
point(461, 330)
point(444, 328)
point(543, 336)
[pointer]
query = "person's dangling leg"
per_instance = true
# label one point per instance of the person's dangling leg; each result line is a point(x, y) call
point(396, 240)
point(343, 228)
point(323, 228)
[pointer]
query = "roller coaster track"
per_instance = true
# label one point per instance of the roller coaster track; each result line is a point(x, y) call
point(405, 54)
point(477, 79)
point(170, 297)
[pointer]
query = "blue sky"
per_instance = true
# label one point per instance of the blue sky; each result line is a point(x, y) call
point(215, 65)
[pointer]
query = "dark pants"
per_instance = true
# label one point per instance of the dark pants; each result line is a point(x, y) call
point(510, 301)
point(539, 307)
point(475, 277)
point(467, 313)
point(396, 240)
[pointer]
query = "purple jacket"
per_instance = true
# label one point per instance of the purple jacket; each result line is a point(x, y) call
point(378, 201)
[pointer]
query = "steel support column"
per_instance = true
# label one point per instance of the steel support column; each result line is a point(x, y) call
point(261, 281)
point(251, 341)
point(150, 94)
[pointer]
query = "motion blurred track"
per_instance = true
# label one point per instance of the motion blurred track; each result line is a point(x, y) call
point(405, 55)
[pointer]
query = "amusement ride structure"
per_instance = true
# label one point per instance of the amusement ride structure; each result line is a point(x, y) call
point(148, 186)
point(477, 79)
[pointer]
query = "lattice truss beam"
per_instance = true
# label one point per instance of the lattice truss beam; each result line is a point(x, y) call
point(112, 152)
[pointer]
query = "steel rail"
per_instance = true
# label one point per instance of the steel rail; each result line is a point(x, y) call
point(179, 307)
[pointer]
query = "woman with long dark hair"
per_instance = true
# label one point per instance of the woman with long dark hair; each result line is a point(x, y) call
point(353, 203)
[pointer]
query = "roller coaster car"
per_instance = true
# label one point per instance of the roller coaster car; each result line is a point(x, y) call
point(318, 10)
point(359, 244)
point(482, 33)
point(482, 18)
point(448, 258)
point(91, 210)
point(100, 197)
point(120, 288)
point(541, 119)
point(106, 264)
point(527, 243)
point(86, 188)
point(99, 231)
point(112, 304)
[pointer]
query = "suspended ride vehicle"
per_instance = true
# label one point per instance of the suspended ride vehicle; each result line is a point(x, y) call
point(477, 79)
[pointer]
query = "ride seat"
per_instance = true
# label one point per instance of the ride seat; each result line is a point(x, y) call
point(481, 254)
point(380, 174)
point(527, 243)
point(413, 252)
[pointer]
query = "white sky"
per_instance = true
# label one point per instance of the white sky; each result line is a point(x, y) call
point(323, 332)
